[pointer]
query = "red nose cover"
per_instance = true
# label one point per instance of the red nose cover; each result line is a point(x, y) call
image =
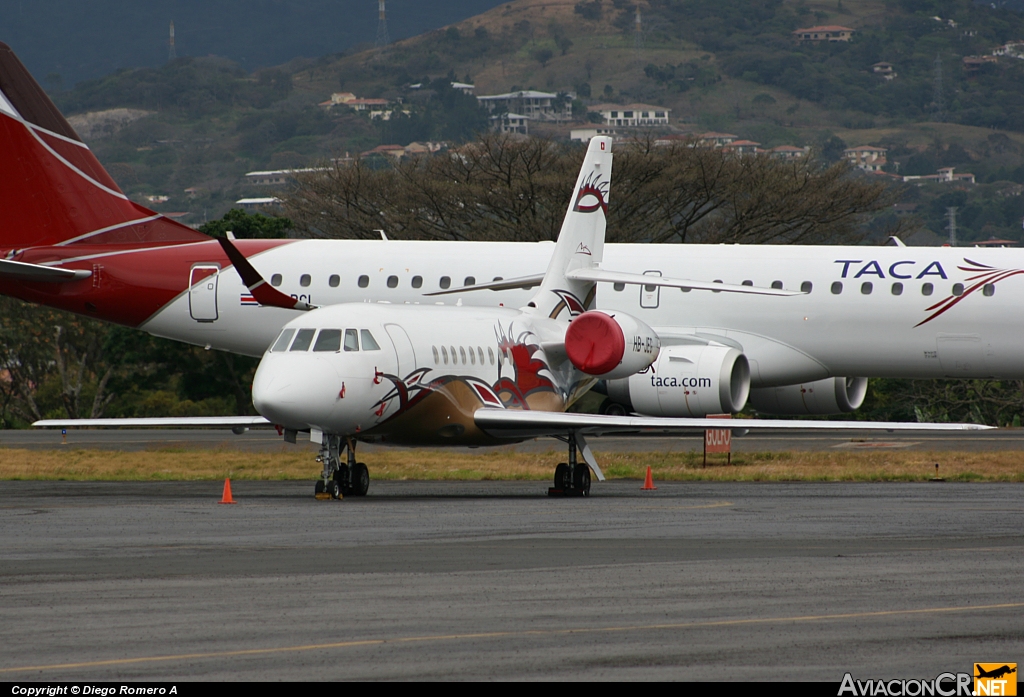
point(595, 343)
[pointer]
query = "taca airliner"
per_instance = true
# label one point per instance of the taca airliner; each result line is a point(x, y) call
point(71, 239)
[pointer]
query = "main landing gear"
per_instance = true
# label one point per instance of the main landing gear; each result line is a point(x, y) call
point(572, 478)
point(340, 479)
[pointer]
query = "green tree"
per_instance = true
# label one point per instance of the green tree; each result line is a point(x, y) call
point(247, 225)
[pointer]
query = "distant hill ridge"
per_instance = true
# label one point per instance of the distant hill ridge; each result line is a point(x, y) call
point(82, 40)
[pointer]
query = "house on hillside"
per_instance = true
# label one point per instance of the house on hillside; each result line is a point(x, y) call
point(828, 32)
point(531, 104)
point(632, 114)
point(884, 70)
point(715, 140)
point(869, 158)
point(788, 152)
point(583, 135)
point(945, 175)
point(510, 123)
point(258, 204)
point(743, 147)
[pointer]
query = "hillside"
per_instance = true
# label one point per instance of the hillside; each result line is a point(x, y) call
point(729, 66)
point(73, 41)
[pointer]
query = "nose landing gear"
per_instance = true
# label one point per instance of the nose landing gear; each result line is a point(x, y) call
point(340, 479)
point(572, 478)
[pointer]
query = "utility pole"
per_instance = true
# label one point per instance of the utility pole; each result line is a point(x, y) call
point(382, 27)
point(638, 39)
point(951, 216)
point(171, 53)
point(937, 89)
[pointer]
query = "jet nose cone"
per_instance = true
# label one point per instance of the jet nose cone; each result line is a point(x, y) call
point(296, 391)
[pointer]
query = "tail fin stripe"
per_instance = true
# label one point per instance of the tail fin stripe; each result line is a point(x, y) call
point(55, 135)
point(94, 233)
point(74, 169)
point(8, 108)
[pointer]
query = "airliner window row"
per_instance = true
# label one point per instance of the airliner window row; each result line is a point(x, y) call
point(334, 280)
point(328, 340)
point(866, 288)
point(463, 354)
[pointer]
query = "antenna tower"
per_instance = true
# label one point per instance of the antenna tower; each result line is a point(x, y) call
point(951, 215)
point(937, 94)
point(638, 39)
point(171, 53)
point(382, 26)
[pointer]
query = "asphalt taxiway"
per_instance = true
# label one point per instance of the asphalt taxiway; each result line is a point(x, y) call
point(494, 580)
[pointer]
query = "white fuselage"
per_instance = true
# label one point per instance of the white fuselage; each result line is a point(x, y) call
point(881, 330)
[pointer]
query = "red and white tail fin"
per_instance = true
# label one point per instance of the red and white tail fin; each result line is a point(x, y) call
point(53, 190)
point(581, 240)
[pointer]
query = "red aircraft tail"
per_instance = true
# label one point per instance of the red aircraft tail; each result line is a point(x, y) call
point(53, 190)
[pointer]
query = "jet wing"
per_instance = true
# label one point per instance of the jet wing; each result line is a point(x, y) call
point(158, 422)
point(511, 423)
point(504, 284)
point(21, 271)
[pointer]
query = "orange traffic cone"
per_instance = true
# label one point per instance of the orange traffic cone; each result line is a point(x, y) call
point(648, 481)
point(226, 498)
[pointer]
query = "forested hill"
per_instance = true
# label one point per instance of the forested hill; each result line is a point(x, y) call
point(81, 40)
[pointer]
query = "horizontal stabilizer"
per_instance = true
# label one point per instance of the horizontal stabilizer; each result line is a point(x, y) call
point(523, 282)
point(157, 422)
point(601, 276)
point(511, 423)
point(21, 271)
point(264, 293)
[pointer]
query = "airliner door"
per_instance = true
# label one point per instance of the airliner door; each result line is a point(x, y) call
point(403, 347)
point(202, 294)
point(650, 295)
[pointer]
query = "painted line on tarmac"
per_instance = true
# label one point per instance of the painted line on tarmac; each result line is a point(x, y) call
point(505, 635)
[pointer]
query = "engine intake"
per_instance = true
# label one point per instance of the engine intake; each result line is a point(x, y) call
point(821, 397)
point(687, 381)
point(610, 345)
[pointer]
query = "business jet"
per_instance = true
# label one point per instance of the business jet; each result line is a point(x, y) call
point(71, 239)
point(462, 375)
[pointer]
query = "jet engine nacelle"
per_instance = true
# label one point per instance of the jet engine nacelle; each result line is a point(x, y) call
point(828, 396)
point(687, 381)
point(610, 344)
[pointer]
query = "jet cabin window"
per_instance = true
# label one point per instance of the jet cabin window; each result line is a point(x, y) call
point(351, 340)
point(806, 287)
point(392, 281)
point(364, 281)
point(328, 340)
point(897, 288)
point(305, 280)
point(417, 281)
point(334, 281)
point(988, 290)
point(927, 289)
point(303, 340)
point(282, 341)
point(837, 287)
point(446, 282)
point(276, 279)
point(958, 289)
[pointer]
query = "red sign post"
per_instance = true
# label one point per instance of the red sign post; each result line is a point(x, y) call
point(718, 440)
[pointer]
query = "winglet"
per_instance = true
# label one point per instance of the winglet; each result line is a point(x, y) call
point(264, 293)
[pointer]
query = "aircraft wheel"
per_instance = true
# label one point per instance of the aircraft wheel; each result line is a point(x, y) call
point(610, 408)
point(581, 479)
point(320, 487)
point(334, 489)
point(360, 480)
point(562, 476)
point(341, 477)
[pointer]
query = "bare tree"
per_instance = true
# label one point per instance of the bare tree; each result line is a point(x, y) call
point(503, 188)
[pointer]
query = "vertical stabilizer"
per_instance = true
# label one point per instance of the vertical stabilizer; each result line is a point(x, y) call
point(581, 239)
point(53, 190)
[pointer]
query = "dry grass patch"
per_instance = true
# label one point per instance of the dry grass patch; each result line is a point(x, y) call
point(399, 464)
